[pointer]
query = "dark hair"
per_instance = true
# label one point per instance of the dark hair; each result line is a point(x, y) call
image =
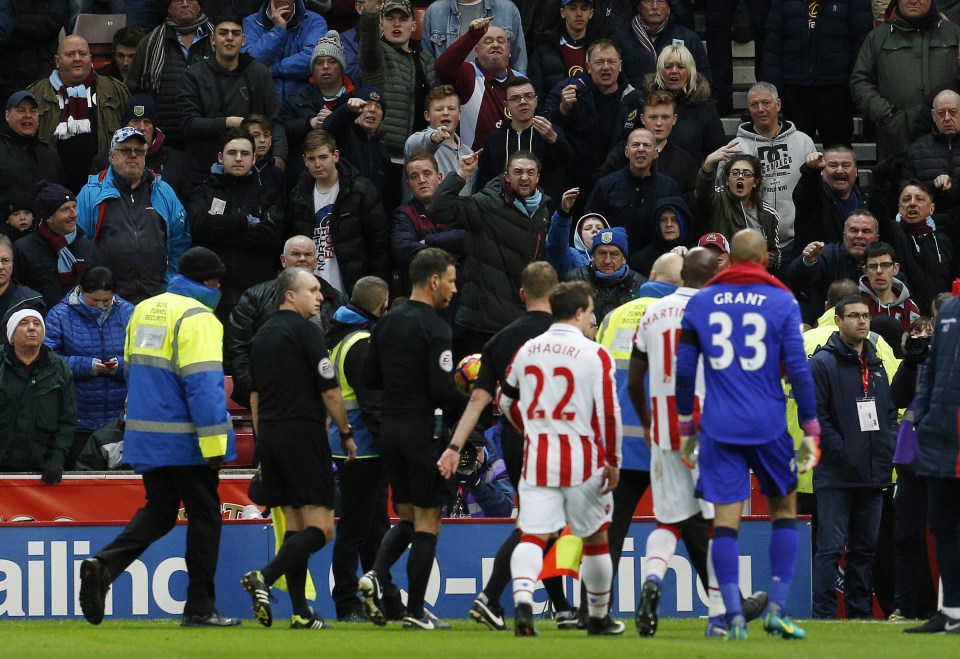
point(846, 301)
point(879, 248)
point(757, 195)
point(98, 278)
point(524, 155)
point(129, 36)
point(837, 148)
point(261, 120)
point(916, 183)
point(516, 81)
point(840, 289)
point(429, 262)
point(228, 16)
point(569, 297)
point(422, 155)
point(231, 134)
point(538, 280)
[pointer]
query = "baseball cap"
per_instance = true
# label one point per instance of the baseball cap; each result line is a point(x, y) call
point(125, 134)
point(715, 240)
point(402, 5)
point(16, 98)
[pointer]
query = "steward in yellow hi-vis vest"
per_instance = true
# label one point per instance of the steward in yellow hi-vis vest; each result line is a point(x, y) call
point(176, 405)
point(178, 436)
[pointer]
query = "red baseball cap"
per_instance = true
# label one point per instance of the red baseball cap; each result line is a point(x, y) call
point(715, 240)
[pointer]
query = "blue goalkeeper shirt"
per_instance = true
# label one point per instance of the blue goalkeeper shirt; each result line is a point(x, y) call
point(747, 333)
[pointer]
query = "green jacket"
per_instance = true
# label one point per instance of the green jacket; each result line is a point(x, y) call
point(897, 68)
point(721, 213)
point(38, 412)
point(393, 71)
point(111, 95)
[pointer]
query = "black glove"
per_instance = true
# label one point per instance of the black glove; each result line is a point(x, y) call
point(215, 462)
point(52, 469)
point(470, 480)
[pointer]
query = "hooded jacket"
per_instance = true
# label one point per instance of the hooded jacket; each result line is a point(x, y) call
point(504, 141)
point(500, 241)
point(903, 308)
point(852, 457)
point(781, 157)
point(286, 51)
point(78, 336)
point(360, 231)
point(642, 261)
point(558, 252)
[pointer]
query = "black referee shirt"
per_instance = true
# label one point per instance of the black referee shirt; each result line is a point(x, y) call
point(290, 368)
point(502, 346)
point(411, 361)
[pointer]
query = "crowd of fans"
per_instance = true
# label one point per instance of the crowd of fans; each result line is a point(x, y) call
point(510, 131)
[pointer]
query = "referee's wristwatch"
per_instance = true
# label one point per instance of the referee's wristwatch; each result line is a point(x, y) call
point(348, 434)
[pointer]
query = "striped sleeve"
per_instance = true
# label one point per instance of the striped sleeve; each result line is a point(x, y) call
point(607, 405)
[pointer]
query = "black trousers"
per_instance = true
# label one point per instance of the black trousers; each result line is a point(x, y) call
point(165, 488)
point(914, 594)
point(363, 523)
point(827, 109)
point(633, 483)
point(943, 512)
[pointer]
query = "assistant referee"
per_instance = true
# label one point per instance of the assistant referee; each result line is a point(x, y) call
point(412, 362)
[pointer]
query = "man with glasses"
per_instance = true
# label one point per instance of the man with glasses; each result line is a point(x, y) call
point(134, 218)
point(858, 434)
point(882, 292)
point(525, 130)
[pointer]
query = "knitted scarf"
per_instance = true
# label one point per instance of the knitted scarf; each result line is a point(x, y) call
point(75, 103)
point(526, 206)
point(916, 228)
point(68, 268)
point(645, 34)
point(153, 62)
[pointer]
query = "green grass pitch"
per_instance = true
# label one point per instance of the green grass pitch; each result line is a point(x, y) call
point(676, 638)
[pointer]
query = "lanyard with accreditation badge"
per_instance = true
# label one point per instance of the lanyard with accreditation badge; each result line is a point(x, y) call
point(867, 407)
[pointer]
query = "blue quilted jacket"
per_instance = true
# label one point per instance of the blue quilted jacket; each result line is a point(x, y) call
point(74, 334)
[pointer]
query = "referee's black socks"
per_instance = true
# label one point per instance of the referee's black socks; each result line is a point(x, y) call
point(394, 543)
point(419, 564)
point(294, 553)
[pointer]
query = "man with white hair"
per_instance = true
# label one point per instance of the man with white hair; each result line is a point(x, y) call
point(36, 433)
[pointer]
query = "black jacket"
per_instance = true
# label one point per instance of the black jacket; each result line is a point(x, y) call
point(637, 63)
point(699, 129)
point(927, 158)
point(409, 226)
point(24, 161)
point(368, 155)
point(220, 213)
point(35, 265)
point(500, 241)
point(852, 457)
point(547, 66)
point(28, 54)
point(21, 297)
point(607, 297)
point(360, 231)
point(819, 214)
point(643, 260)
point(938, 394)
point(812, 281)
point(504, 141)
point(796, 55)
point(256, 305)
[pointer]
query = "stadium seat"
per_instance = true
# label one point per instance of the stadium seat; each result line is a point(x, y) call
point(242, 420)
point(98, 30)
point(418, 14)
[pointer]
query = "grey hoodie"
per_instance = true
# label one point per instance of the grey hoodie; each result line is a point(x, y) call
point(781, 158)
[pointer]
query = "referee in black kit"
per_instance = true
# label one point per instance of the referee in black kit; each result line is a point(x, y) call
point(412, 362)
point(294, 386)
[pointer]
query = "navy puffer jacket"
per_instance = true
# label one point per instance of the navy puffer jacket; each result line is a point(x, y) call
point(74, 333)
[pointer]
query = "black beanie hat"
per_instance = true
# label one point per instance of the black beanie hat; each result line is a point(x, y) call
point(201, 264)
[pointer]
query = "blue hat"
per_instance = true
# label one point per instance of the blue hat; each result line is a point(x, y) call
point(616, 236)
point(16, 98)
point(371, 93)
point(567, 2)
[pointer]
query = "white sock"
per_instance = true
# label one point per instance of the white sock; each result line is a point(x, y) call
point(661, 546)
point(525, 565)
point(596, 570)
point(951, 611)
point(715, 605)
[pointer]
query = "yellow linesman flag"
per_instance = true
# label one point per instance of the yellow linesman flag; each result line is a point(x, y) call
point(563, 559)
point(279, 529)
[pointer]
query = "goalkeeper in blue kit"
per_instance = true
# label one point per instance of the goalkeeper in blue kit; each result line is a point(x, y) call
point(746, 324)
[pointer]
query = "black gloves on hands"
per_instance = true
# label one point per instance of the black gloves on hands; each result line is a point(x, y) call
point(52, 469)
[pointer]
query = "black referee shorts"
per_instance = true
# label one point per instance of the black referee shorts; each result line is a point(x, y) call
point(411, 455)
point(296, 464)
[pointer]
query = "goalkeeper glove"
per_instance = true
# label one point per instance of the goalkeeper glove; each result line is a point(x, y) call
point(689, 441)
point(808, 455)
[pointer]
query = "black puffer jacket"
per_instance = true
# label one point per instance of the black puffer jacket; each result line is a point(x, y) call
point(360, 230)
point(500, 241)
point(927, 158)
point(256, 305)
point(24, 161)
point(28, 54)
point(607, 297)
point(218, 213)
point(165, 90)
